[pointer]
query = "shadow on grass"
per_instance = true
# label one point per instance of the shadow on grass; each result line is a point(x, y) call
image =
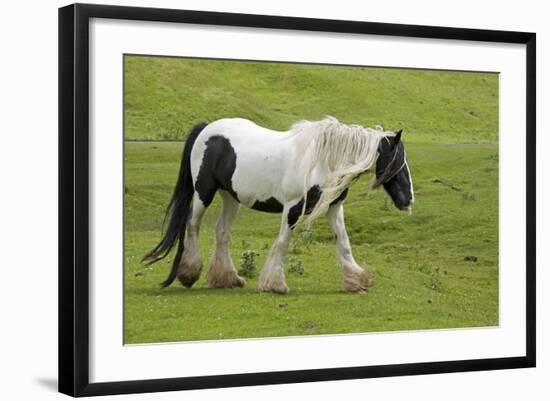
point(213, 292)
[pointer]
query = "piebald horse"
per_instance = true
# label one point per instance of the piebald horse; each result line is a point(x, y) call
point(305, 171)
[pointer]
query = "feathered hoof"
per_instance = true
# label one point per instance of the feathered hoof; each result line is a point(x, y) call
point(278, 288)
point(358, 281)
point(225, 279)
point(189, 271)
point(187, 280)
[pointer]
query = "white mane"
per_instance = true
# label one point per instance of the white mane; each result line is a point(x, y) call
point(343, 151)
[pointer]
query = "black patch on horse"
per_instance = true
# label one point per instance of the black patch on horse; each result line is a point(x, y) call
point(271, 205)
point(341, 197)
point(313, 195)
point(391, 171)
point(390, 159)
point(217, 167)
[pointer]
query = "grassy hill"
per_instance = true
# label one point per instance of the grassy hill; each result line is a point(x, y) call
point(165, 97)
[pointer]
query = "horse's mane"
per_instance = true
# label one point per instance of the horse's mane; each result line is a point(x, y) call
point(345, 151)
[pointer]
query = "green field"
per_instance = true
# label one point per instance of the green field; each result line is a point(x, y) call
point(426, 275)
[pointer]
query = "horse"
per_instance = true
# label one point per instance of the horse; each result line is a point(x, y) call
point(303, 172)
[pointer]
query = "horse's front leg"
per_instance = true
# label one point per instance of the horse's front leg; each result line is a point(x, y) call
point(272, 277)
point(355, 277)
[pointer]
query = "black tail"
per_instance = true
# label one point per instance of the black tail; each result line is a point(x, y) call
point(177, 211)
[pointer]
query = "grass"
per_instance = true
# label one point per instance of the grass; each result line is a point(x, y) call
point(422, 280)
point(425, 276)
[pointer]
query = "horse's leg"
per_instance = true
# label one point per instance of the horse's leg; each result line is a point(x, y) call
point(272, 277)
point(222, 273)
point(190, 266)
point(355, 277)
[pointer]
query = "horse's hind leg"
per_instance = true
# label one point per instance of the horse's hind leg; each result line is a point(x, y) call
point(355, 277)
point(190, 266)
point(222, 273)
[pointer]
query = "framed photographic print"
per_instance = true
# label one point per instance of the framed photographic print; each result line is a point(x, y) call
point(251, 199)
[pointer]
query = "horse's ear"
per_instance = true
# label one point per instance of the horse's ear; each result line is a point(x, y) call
point(398, 136)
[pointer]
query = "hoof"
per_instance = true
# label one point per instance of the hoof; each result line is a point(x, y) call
point(280, 288)
point(358, 281)
point(189, 271)
point(226, 279)
point(187, 281)
point(273, 280)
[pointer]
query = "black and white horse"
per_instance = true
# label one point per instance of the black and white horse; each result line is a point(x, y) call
point(304, 171)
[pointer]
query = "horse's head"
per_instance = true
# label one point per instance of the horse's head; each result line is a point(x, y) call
point(392, 171)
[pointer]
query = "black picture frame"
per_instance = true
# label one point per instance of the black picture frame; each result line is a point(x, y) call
point(74, 198)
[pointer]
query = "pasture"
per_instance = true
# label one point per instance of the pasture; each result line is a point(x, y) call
point(437, 268)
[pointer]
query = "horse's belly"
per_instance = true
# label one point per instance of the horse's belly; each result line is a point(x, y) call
point(261, 182)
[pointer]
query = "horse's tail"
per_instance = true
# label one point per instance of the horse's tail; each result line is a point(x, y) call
point(177, 211)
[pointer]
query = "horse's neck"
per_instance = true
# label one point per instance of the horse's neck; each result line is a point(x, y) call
point(342, 149)
point(301, 150)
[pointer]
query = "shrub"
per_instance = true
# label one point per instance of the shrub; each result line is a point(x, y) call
point(248, 263)
point(295, 266)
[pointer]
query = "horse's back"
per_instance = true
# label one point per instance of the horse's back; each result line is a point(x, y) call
point(241, 128)
point(262, 157)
